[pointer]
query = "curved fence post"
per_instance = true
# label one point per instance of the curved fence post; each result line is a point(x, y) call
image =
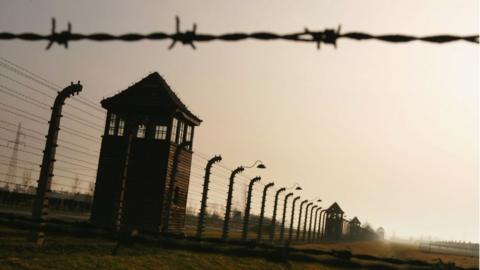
point(274, 215)
point(282, 228)
point(290, 232)
point(246, 216)
point(40, 203)
point(305, 221)
point(203, 206)
point(310, 223)
point(314, 232)
point(228, 207)
point(262, 211)
point(319, 231)
point(300, 219)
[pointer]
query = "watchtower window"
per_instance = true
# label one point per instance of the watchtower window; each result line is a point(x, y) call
point(181, 132)
point(121, 126)
point(112, 124)
point(174, 130)
point(141, 131)
point(160, 132)
point(188, 136)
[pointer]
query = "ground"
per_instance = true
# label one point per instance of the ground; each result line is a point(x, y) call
point(88, 252)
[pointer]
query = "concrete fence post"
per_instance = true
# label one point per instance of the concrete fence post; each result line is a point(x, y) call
point(246, 216)
point(203, 204)
point(282, 228)
point(262, 211)
point(228, 207)
point(40, 204)
point(274, 215)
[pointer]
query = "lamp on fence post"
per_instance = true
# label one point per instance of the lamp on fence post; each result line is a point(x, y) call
point(300, 218)
point(262, 211)
point(228, 207)
point(291, 220)
point(203, 206)
point(310, 223)
point(305, 221)
point(247, 208)
point(282, 228)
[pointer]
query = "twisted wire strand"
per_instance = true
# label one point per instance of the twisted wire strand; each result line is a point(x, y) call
point(189, 37)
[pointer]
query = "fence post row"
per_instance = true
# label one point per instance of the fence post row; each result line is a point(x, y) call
point(274, 215)
point(40, 204)
point(282, 228)
point(300, 219)
point(247, 208)
point(203, 206)
point(171, 186)
point(262, 211)
point(228, 207)
point(291, 219)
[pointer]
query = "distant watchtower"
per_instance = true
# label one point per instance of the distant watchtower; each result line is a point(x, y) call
point(354, 229)
point(334, 222)
point(145, 125)
point(381, 233)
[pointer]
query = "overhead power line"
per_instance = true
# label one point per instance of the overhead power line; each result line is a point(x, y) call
point(22, 71)
point(189, 37)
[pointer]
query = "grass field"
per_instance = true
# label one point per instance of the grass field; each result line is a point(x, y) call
point(67, 252)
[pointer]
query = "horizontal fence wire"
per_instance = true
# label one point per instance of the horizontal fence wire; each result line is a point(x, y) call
point(190, 37)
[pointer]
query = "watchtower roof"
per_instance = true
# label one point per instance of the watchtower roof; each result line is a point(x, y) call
point(335, 208)
point(355, 221)
point(151, 92)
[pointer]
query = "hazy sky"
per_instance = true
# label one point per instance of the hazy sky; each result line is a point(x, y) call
point(390, 131)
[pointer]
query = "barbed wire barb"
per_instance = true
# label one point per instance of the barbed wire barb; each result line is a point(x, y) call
point(60, 38)
point(186, 38)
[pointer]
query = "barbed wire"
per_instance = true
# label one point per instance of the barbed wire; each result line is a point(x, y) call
point(189, 37)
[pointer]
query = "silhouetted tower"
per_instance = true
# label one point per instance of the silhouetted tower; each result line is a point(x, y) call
point(354, 229)
point(334, 222)
point(12, 165)
point(381, 233)
point(145, 125)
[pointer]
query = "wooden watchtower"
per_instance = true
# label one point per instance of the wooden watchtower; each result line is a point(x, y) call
point(354, 230)
point(145, 125)
point(334, 222)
